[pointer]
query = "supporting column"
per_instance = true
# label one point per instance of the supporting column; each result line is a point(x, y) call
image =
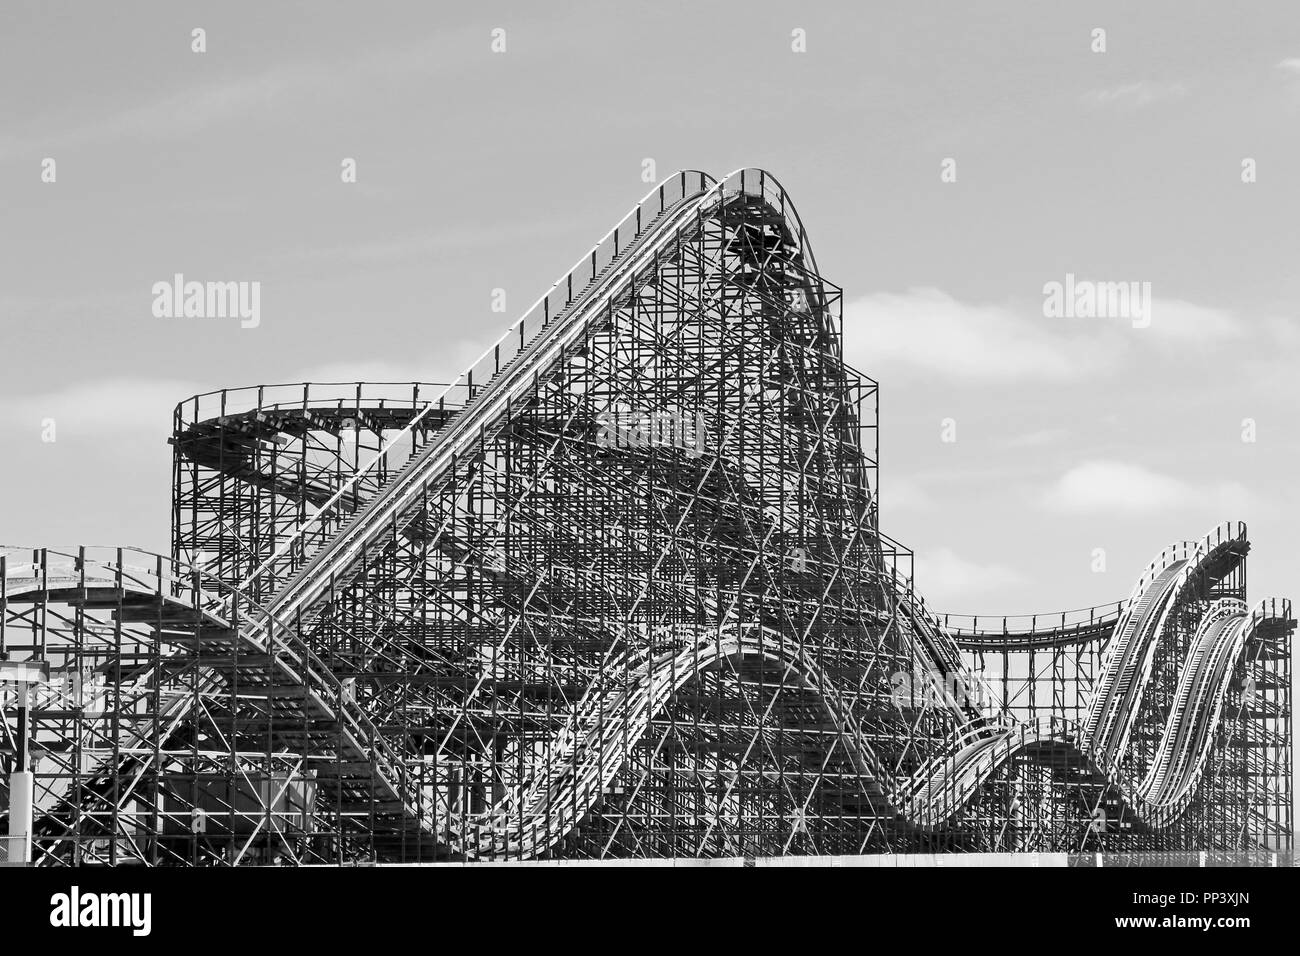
point(19, 850)
point(22, 674)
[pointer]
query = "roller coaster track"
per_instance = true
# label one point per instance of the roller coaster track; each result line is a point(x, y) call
point(1031, 631)
point(645, 233)
point(1157, 801)
point(302, 704)
point(250, 629)
point(613, 716)
point(241, 419)
point(559, 798)
point(486, 407)
point(1160, 592)
point(652, 228)
point(1132, 634)
point(1217, 641)
point(1201, 703)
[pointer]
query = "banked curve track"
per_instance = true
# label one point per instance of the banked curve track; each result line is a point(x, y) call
point(607, 719)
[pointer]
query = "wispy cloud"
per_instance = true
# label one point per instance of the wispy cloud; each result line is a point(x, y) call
point(1132, 97)
point(1189, 323)
point(1290, 70)
point(928, 332)
point(106, 407)
point(183, 113)
point(1038, 438)
point(1114, 487)
point(237, 97)
point(943, 575)
point(904, 494)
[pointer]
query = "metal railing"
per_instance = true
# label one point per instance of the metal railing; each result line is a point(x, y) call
point(536, 319)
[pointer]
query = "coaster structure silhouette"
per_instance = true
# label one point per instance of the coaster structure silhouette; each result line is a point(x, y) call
point(618, 591)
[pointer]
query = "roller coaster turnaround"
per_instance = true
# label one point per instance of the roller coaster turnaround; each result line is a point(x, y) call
point(618, 591)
